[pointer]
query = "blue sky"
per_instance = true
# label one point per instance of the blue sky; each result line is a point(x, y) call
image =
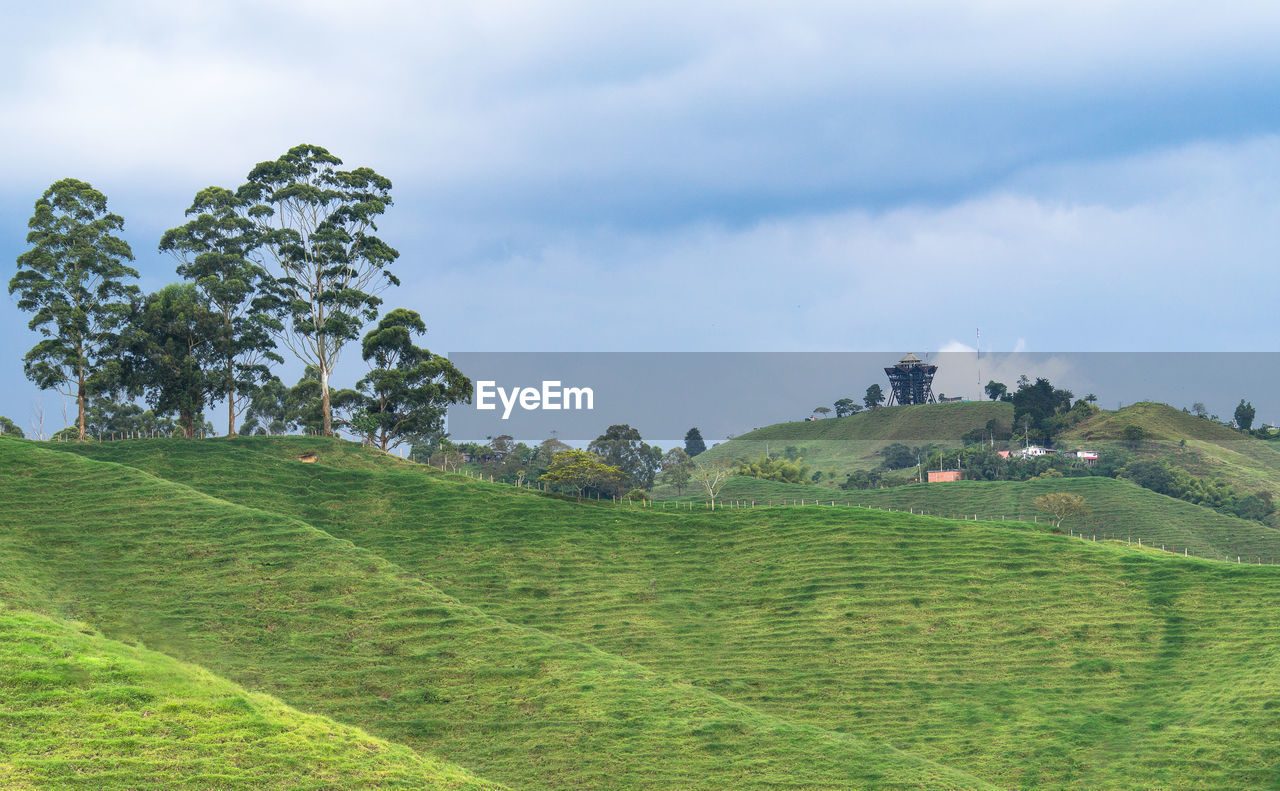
point(697, 177)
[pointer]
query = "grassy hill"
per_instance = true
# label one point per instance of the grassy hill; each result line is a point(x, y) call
point(1026, 659)
point(83, 711)
point(1211, 450)
point(851, 443)
point(327, 625)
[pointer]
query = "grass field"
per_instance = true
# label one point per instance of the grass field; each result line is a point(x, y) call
point(845, 444)
point(82, 711)
point(330, 627)
point(1025, 659)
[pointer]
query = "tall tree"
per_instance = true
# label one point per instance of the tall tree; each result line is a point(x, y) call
point(214, 250)
point(996, 391)
point(1244, 414)
point(74, 280)
point(409, 388)
point(693, 444)
point(317, 227)
point(677, 469)
point(171, 353)
point(874, 397)
point(621, 446)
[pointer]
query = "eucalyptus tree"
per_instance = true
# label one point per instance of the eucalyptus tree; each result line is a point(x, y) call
point(406, 392)
point(215, 250)
point(316, 225)
point(75, 280)
point(172, 352)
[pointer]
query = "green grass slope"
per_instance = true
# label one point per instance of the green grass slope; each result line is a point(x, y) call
point(277, 605)
point(851, 443)
point(80, 711)
point(1030, 660)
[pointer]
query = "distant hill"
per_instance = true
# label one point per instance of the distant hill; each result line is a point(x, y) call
point(851, 443)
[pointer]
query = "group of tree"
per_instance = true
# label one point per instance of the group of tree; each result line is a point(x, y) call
point(1159, 476)
point(621, 446)
point(586, 472)
point(1242, 419)
point(639, 466)
point(1041, 411)
point(289, 259)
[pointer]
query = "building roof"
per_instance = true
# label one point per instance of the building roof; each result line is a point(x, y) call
point(909, 358)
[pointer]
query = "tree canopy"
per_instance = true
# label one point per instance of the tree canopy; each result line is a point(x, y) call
point(581, 470)
point(677, 469)
point(10, 429)
point(408, 388)
point(874, 397)
point(621, 446)
point(693, 444)
point(171, 353)
point(846, 406)
point(1061, 505)
point(1244, 415)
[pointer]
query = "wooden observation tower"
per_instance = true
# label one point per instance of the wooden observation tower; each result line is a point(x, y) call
point(911, 380)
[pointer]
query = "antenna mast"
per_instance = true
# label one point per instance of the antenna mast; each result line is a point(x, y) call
point(978, 348)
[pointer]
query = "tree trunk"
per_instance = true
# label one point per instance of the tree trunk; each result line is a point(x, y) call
point(325, 410)
point(80, 399)
point(231, 413)
point(188, 425)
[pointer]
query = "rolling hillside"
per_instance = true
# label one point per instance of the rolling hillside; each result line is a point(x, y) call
point(851, 443)
point(1022, 658)
point(81, 711)
point(328, 626)
point(1211, 451)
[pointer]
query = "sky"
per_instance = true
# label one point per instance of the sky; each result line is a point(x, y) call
point(714, 176)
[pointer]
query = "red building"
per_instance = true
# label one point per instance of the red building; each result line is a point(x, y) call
point(938, 476)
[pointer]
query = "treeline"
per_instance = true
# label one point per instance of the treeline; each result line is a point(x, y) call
point(618, 463)
point(288, 261)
